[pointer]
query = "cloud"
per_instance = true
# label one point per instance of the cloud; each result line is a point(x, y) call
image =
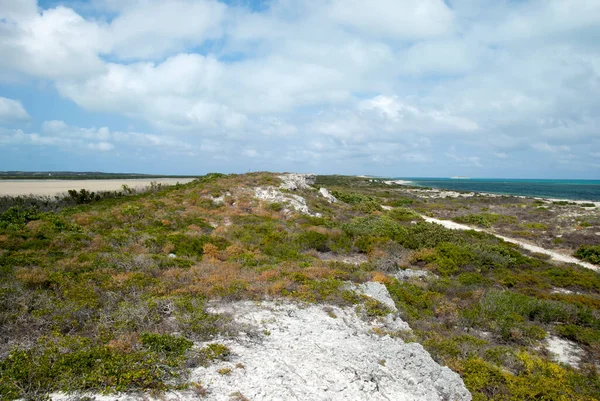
point(397, 19)
point(250, 153)
point(136, 34)
point(12, 111)
point(56, 44)
point(14, 10)
point(338, 82)
point(546, 147)
point(101, 146)
point(463, 161)
point(71, 138)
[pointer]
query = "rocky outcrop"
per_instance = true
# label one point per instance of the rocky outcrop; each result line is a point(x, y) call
point(293, 181)
point(291, 351)
point(274, 195)
point(289, 182)
point(325, 194)
point(324, 353)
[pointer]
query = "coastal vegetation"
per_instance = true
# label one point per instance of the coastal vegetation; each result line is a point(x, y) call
point(113, 293)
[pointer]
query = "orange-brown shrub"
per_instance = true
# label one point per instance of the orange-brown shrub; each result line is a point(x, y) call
point(32, 276)
point(268, 275)
point(211, 252)
point(380, 277)
point(125, 343)
point(278, 286)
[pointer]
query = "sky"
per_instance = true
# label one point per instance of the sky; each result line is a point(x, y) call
point(405, 88)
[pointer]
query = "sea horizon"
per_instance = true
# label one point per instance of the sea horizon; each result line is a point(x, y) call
point(567, 189)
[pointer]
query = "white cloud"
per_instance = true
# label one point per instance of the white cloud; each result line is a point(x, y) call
point(546, 147)
point(15, 10)
point(136, 32)
point(60, 134)
point(463, 161)
point(344, 80)
point(101, 146)
point(12, 111)
point(58, 43)
point(398, 19)
point(250, 153)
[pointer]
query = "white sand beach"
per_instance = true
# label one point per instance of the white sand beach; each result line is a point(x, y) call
point(57, 187)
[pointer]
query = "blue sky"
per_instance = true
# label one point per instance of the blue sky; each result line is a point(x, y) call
point(479, 88)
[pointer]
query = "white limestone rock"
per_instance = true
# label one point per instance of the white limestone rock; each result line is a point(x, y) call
point(325, 194)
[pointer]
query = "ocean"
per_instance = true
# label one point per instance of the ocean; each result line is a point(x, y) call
point(559, 189)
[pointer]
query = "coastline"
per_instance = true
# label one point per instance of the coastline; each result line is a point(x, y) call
point(453, 193)
point(50, 187)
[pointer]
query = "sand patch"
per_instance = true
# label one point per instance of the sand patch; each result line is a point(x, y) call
point(59, 187)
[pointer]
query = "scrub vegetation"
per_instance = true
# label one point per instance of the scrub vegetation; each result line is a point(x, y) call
point(112, 295)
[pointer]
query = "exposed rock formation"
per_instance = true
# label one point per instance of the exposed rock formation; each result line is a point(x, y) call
point(293, 181)
point(290, 182)
point(325, 193)
point(292, 351)
point(274, 195)
point(316, 354)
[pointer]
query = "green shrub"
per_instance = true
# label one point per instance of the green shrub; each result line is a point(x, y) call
point(403, 214)
point(412, 301)
point(590, 253)
point(498, 305)
point(83, 196)
point(583, 335)
point(313, 240)
point(351, 198)
point(428, 235)
point(17, 217)
point(536, 379)
point(77, 364)
point(187, 245)
point(374, 308)
point(401, 202)
point(485, 219)
point(360, 202)
point(444, 348)
point(375, 226)
point(213, 352)
point(275, 206)
point(536, 226)
point(471, 279)
point(166, 343)
point(195, 321)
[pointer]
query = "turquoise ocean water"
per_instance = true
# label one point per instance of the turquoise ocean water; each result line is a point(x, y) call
point(560, 189)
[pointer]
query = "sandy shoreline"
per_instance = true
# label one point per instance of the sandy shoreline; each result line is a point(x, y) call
point(58, 187)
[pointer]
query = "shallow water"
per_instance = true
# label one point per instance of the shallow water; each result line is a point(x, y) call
point(560, 189)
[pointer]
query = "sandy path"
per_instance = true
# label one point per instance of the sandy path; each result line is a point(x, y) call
point(532, 248)
point(56, 187)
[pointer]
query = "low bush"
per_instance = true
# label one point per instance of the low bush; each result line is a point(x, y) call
point(485, 219)
point(17, 217)
point(400, 202)
point(589, 253)
point(582, 335)
point(213, 352)
point(534, 379)
point(413, 301)
point(166, 343)
point(360, 202)
point(78, 364)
